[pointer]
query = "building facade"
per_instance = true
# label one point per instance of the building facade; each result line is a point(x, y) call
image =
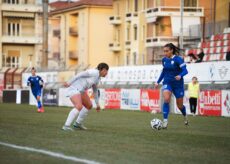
point(142, 27)
point(84, 33)
point(20, 33)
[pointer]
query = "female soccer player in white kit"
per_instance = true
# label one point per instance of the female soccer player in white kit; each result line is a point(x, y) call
point(77, 87)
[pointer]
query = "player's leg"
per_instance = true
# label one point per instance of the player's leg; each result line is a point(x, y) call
point(191, 105)
point(35, 94)
point(179, 102)
point(167, 93)
point(195, 106)
point(40, 107)
point(87, 105)
point(77, 102)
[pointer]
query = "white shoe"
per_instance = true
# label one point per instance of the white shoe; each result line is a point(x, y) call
point(165, 125)
point(186, 120)
point(67, 128)
point(79, 126)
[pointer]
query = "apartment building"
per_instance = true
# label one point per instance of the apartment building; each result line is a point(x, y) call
point(83, 32)
point(142, 27)
point(20, 33)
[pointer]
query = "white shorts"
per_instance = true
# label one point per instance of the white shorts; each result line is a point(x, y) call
point(72, 91)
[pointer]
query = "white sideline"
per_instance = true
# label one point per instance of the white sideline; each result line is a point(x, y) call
point(49, 153)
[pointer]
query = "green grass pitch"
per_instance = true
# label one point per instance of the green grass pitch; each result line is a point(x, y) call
point(113, 137)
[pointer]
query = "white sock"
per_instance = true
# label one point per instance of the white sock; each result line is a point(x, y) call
point(165, 120)
point(83, 113)
point(72, 115)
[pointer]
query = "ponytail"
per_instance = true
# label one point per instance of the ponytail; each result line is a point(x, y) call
point(176, 50)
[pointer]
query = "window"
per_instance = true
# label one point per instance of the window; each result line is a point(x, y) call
point(136, 5)
point(190, 3)
point(135, 32)
point(134, 58)
point(12, 59)
point(128, 33)
point(13, 29)
point(127, 59)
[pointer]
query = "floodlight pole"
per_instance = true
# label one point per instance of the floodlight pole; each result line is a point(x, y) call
point(44, 62)
point(181, 23)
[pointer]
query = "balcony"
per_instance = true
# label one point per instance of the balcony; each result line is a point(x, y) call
point(128, 44)
point(160, 41)
point(73, 31)
point(21, 7)
point(73, 55)
point(115, 47)
point(56, 32)
point(152, 13)
point(21, 39)
point(130, 16)
point(115, 20)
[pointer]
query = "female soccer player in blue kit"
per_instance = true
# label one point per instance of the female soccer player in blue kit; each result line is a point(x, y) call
point(36, 84)
point(174, 69)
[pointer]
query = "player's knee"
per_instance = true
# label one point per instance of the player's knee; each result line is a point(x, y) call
point(89, 106)
point(166, 100)
point(79, 106)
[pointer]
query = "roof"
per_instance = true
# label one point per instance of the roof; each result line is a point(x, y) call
point(63, 5)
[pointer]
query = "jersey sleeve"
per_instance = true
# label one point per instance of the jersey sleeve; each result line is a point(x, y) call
point(182, 65)
point(28, 82)
point(84, 74)
point(162, 73)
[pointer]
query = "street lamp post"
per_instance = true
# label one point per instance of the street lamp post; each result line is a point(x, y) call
point(181, 23)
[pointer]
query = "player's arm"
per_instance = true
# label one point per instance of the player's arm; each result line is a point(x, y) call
point(184, 71)
point(160, 77)
point(83, 74)
point(41, 82)
point(96, 97)
point(29, 82)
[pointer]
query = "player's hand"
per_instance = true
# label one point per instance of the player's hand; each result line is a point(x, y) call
point(156, 85)
point(178, 77)
point(98, 108)
point(66, 84)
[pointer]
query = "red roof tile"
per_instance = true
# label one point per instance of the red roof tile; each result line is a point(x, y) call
point(62, 5)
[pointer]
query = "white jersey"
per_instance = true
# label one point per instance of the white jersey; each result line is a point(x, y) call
point(83, 81)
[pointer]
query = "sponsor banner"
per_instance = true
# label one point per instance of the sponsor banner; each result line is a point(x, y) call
point(112, 98)
point(1, 83)
point(130, 99)
point(63, 100)
point(50, 97)
point(150, 100)
point(225, 103)
point(213, 71)
point(210, 103)
point(186, 104)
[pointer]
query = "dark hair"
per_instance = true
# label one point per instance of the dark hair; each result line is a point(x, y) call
point(102, 66)
point(33, 69)
point(176, 50)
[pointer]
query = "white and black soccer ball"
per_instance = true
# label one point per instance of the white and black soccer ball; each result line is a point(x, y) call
point(156, 124)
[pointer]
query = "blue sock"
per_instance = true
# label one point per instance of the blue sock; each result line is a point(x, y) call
point(165, 110)
point(183, 111)
point(39, 104)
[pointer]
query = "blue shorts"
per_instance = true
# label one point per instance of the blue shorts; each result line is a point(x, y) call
point(176, 89)
point(37, 93)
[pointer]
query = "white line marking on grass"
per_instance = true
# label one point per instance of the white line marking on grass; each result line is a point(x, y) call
point(49, 153)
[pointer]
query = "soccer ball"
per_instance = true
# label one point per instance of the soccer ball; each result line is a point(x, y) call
point(156, 124)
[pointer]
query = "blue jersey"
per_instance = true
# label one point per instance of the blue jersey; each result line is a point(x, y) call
point(172, 67)
point(35, 83)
